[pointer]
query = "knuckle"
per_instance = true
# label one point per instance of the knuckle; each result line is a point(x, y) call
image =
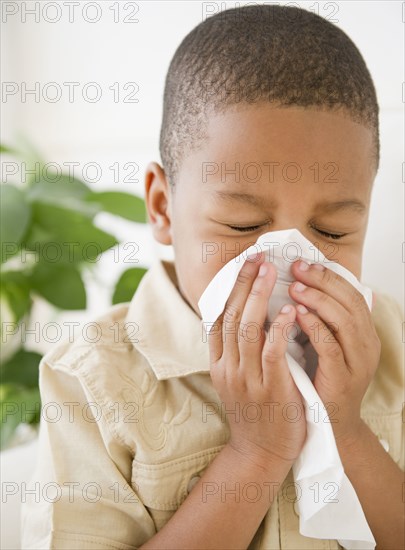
point(322, 298)
point(250, 332)
point(235, 383)
point(350, 324)
point(333, 327)
point(231, 313)
point(243, 278)
point(327, 276)
point(272, 356)
point(343, 387)
point(357, 300)
point(333, 352)
point(277, 331)
point(256, 292)
point(214, 357)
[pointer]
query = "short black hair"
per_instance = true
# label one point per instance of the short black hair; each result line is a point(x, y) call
point(261, 53)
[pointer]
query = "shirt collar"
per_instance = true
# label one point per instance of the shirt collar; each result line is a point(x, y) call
point(167, 331)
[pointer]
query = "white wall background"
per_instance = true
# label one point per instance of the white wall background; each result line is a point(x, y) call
point(36, 50)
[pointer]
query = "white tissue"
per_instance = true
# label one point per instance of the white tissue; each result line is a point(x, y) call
point(328, 505)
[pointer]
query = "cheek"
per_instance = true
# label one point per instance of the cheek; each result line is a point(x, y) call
point(351, 260)
point(204, 270)
point(199, 272)
point(195, 267)
point(214, 255)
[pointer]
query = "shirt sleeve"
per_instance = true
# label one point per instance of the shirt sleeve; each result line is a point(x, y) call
point(80, 495)
point(383, 405)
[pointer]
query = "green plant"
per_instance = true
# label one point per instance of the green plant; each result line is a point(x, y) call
point(51, 213)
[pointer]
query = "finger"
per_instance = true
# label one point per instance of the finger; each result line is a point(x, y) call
point(252, 333)
point(234, 307)
point(341, 323)
point(275, 367)
point(214, 339)
point(332, 364)
point(320, 277)
point(221, 330)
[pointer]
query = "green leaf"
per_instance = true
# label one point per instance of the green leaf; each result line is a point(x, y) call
point(55, 249)
point(127, 284)
point(15, 214)
point(7, 150)
point(36, 236)
point(22, 369)
point(33, 159)
point(72, 230)
point(17, 405)
point(63, 186)
point(15, 289)
point(121, 204)
point(50, 248)
point(60, 284)
point(67, 192)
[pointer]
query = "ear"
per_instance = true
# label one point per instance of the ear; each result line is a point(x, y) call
point(158, 202)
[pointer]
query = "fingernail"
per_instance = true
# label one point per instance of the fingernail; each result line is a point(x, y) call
point(255, 257)
point(262, 270)
point(301, 308)
point(319, 267)
point(299, 287)
point(285, 309)
point(303, 266)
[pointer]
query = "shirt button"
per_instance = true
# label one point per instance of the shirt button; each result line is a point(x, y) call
point(385, 444)
point(193, 481)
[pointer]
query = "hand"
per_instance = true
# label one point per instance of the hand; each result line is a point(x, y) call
point(341, 330)
point(249, 370)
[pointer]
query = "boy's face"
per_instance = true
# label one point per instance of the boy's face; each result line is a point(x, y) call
point(297, 166)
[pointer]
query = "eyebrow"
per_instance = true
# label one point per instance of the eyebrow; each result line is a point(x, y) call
point(325, 206)
point(241, 197)
point(352, 204)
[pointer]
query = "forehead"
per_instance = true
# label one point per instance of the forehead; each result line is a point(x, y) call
point(261, 144)
point(263, 129)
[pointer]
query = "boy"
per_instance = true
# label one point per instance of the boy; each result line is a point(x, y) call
point(254, 98)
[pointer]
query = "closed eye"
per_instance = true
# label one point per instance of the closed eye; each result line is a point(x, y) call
point(330, 235)
point(334, 236)
point(247, 228)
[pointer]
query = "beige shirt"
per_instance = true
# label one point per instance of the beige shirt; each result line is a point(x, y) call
point(129, 425)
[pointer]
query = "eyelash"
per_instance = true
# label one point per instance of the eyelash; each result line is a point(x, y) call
point(254, 227)
point(242, 229)
point(330, 235)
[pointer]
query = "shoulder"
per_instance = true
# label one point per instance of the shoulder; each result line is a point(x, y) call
point(103, 368)
point(101, 353)
point(103, 332)
point(382, 406)
point(386, 308)
point(388, 381)
point(388, 318)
